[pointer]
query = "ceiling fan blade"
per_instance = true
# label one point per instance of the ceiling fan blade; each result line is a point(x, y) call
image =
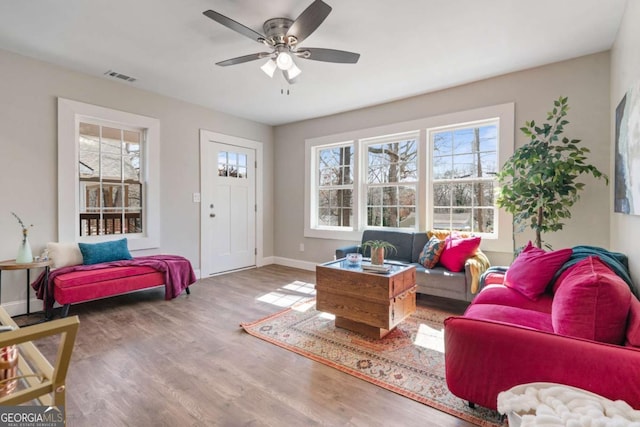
point(245, 58)
point(309, 20)
point(235, 26)
point(328, 55)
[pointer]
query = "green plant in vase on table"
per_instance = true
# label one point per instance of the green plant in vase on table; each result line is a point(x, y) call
point(379, 248)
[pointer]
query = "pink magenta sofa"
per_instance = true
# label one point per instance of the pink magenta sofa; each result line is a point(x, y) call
point(583, 332)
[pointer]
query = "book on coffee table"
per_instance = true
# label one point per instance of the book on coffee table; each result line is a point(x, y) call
point(376, 268)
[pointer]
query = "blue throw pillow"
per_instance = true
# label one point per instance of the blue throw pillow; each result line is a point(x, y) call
point(94, 253)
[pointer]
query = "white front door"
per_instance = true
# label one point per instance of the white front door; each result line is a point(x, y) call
point(228, 207)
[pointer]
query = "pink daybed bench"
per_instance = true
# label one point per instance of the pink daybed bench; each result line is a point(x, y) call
point(80, 283)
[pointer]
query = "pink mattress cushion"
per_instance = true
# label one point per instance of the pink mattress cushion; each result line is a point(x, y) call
point(592, 302)
point(633, 324)
point(510, 315)
point(533, 269)
point(78, 278)
point(503, 295)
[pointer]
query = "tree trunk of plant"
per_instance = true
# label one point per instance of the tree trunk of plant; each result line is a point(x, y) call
point(377, 256)
point(539, 223)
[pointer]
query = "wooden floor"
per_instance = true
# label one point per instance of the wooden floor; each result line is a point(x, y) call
point(143, 361)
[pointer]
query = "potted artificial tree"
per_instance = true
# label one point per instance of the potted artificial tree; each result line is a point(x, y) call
point(378, 248)
point(538, 184)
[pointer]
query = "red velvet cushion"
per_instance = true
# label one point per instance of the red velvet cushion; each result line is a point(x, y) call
point(511, 315)
point(502, 295)
point(457, 251)
point(592, 302)
point(633, 324)
point(533, 269)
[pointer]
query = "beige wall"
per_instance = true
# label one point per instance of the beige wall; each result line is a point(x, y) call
point(28, 157)
point(584, 80)
point(625, 70)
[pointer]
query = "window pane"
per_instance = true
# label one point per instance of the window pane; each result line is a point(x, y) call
point(443, 143)
point(461, 219)
point(374, 196)
point(483, 220)
point(488, 138)
point(463, 141)
point(463, 166)
point(442, 168)
point(375, 216)
point(335, 207)
point(389, 216)
point(442, 194)
point(242, 160)
point(133, 196)
point(483, 193)
point(335, 166)
point(462, 194)
point(112, 197)
point(111, 140)
point(442, 218)
point(111, 166)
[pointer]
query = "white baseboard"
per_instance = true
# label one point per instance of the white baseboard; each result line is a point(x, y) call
point(17, 308)
point(295, 263)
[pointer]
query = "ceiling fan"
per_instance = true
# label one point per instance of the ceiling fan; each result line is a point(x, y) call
point(283, 36)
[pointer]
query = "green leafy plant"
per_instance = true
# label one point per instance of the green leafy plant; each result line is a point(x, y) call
point(539, 182)
point(377, 244)
point(378, 250)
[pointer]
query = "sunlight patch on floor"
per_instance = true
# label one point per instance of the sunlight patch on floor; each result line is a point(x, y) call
point(302, 287)
point(281, 300)
point(430, 338)
point(296, 294)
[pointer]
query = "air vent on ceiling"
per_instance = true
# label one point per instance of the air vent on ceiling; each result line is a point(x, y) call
point(117, 75)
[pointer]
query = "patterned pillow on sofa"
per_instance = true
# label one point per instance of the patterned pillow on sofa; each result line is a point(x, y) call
point(431, 252)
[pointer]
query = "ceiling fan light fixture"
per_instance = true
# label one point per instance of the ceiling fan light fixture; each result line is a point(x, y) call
point(293, 71)
point(269, 67)
point(284, 61)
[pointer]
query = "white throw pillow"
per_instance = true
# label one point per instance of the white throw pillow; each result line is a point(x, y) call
point(64, 254)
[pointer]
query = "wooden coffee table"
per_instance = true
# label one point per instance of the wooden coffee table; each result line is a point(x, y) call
point(365, 302)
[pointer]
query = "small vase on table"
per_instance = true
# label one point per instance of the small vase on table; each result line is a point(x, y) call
point(25, 255)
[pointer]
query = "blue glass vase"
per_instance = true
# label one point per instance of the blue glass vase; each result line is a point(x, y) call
point(24, 252)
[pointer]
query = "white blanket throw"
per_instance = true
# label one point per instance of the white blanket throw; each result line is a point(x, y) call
point(558, 405)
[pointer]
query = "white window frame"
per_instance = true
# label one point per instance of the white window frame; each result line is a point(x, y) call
point(502, 238)
point(432, 180)
point(70, 114)
point(365, 185)
point(317, 187)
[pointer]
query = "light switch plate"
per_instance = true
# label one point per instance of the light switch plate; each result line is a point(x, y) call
point(196, 197)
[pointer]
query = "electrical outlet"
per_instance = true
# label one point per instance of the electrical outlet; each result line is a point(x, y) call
point(196, 197)
point(301, 247)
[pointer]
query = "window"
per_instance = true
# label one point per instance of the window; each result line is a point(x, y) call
point(108, 175)
point(436, 172)
point(464, 165)
point(109, 178)
point(335, 186)
point(392, 181)
point(233, 165)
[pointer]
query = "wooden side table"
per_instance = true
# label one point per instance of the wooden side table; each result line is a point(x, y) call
point(11, 264)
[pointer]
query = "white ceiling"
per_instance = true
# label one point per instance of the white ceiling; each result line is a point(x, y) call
point(407, 47)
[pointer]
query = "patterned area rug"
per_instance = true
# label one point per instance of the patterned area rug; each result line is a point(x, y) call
point(409, 361)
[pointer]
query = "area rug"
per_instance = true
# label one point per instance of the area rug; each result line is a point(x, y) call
point(408, 361)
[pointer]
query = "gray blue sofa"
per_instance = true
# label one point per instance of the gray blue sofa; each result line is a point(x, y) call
point(436, 281)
